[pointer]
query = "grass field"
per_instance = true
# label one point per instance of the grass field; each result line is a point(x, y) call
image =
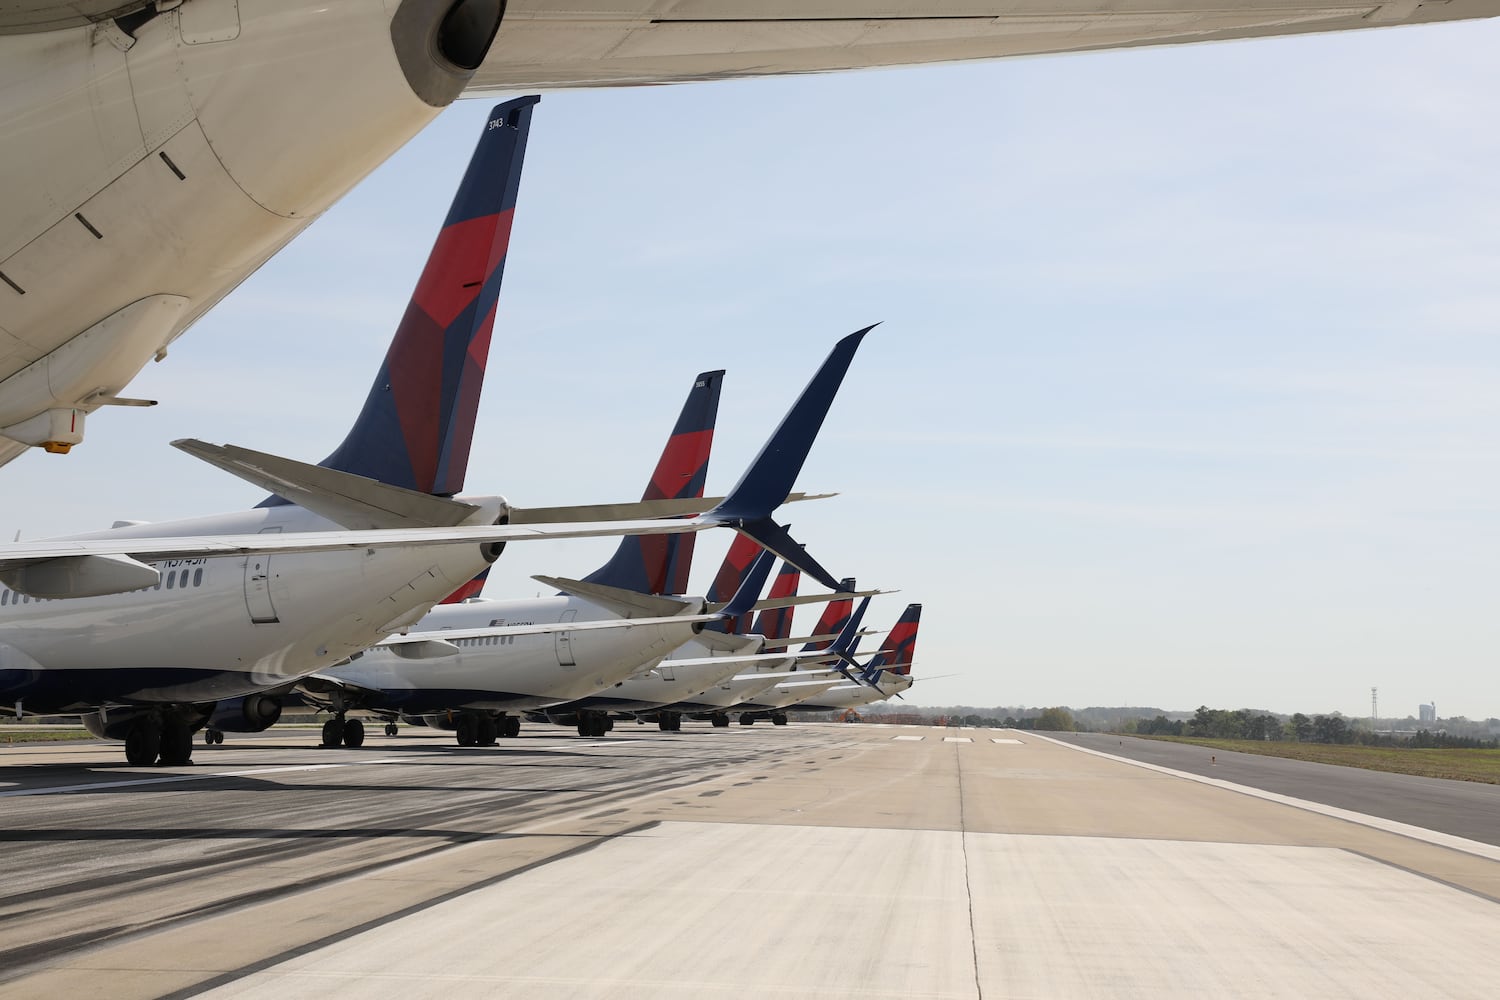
point(1463, 765)
point(20, 734)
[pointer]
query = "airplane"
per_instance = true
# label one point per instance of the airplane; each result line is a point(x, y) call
point(886, 675)
point(145, 628)
point(158, 152)
point(470, 663)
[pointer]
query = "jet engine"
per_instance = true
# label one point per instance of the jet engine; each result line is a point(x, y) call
point(250, 714)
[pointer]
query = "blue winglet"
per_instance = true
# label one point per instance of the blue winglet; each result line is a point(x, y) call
point(843, 646)
point(755, 581)
point(769, 479)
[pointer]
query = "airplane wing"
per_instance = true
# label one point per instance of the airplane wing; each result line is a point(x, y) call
point(635, 511)
point(771, 603)
point(19, 554)
point(449, 634)
point(565, 43)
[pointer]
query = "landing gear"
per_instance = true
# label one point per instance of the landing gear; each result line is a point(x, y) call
point(333, 732)
point(510, 726)
point(390, 729)
point(143, 743)
point(779, 719)
point(746, 719)
point(354, 734)
point(487, 730)
point(212, 736)
point(465, 730)
point(669, 722)
point(176, 748)
point(594, 724)
point(720, 720)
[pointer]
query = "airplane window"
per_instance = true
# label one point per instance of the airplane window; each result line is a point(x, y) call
point(198, 577)
point(4, 597)
point(183, 580)
point(171, 579)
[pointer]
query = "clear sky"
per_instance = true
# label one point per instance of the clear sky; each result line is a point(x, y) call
point(1187, 389)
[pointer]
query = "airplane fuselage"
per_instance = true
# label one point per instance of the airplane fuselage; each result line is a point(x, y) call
point(222, 627)
point(511, 673)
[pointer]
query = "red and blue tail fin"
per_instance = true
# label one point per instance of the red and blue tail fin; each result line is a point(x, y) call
point(901, 645)
point(835, 617)
point(737, 563)
point(776, 623)
point(659, 564)
point(418, 420)
point(468, 590)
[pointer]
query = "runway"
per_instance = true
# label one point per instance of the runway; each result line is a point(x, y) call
point(827, 861)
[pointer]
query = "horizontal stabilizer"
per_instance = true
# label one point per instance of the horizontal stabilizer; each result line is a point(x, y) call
point(639, 510)
point(354, 502)
point(625, 602)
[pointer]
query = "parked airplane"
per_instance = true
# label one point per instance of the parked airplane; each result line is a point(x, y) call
point(470, 663)
point(159, 151)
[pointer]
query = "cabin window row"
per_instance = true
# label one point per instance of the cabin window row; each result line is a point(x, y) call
point(174, 580)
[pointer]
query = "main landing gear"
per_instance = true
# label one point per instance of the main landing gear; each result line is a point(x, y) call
point(476, 729)
point(779, 719)
point(720, 720)
point(669, 722)
point(594, 724)
point(152, 738)
point(339, 731)
point(212, 736)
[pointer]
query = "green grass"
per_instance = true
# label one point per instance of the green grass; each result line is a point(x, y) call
point(15, 734)
point(1461, 765)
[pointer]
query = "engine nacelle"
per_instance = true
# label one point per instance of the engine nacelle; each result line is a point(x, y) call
point(251, 714)
point(443, 721)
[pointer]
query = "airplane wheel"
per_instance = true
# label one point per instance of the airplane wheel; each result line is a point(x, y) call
point(212, 736)
point(333, 733)
point(585, 726)
point(390, 729)
point(488, 731)
point(354, 734)
point(664, 723)
point(609, 724)
point(747, 720)
point(176, 747)
point(464, 728)
point(598, 725)
point(720, 721)
point(510, 726)
point(778, 720)
point(676, 722)
point(142, 744)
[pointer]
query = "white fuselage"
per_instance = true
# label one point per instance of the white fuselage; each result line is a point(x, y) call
point(513, 672)
point(845, 696)
point(743, 686)
point(146, 177)
point(222, 627)
point(668, 684)
point(786, 693)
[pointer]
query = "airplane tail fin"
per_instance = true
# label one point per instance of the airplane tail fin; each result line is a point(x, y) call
point(743, 552)
point(418, 419)
point(468, 590)
point(765, 484)
point(659, 564)
point(776, 623)
point(835, 617)
point(900, 646)
point(749, 589)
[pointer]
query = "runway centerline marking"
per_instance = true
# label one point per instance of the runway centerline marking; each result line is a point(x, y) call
point(957, 739)
point(1434, 837)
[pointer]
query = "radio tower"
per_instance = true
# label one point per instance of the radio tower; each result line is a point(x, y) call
point(1373, 713)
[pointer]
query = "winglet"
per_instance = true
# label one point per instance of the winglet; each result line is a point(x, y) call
point(755, 580)
point(749, 506)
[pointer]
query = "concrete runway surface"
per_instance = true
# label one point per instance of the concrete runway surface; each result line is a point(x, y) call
point(800, 861)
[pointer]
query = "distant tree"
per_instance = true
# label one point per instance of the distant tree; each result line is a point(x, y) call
point(1300, 728)
point(1057, 720)
point(1331, 729)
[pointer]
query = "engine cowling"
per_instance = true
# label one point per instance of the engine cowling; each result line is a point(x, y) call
point(251, 714)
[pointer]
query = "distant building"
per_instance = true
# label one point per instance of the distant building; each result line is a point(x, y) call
point(1427, 713)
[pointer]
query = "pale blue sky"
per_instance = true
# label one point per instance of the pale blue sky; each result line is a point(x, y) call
point(1188, 388)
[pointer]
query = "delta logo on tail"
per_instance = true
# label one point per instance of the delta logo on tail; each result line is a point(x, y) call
point(418, 420)
point(900, 647)
point(776, 623)
point(659, 564)
point(835, 617)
